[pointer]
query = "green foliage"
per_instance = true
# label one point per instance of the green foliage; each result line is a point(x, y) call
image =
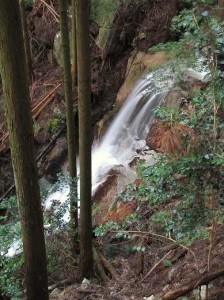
point(58, 246)
point(174, 49)
point(56, 121)
point(203, 30)
point(119, 228)
point(191, 185)
point(10, 231)
point(188, 182)
point(11, 268)
point(11, 276)
point(120, 232)
point(103, 229)
point(29, 3)
point(167, 263)
point(100, 9)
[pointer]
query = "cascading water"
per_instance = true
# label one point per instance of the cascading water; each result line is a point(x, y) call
point(130, 127)
point(124, 137)
point(127, 132)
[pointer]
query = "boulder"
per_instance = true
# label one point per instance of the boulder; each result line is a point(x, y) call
point(55, 159)
point(58, 53)
point(104, 13)
point(139, 64)
point(176, 98)
point(194, 80)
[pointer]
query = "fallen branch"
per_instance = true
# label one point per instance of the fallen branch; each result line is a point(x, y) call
point(155, 266)
point(160, 236)
point(99, 266)
point(41, 103)
point(35, 113)
point(208, 277)
point(52, 11)
point(63, 283)
point(109, 267)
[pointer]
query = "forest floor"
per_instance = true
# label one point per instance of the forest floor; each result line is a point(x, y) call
point(160, 265)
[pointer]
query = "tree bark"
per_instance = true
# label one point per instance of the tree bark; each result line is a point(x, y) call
point(26, 40)
point(70, 121)
point(18, 112)
point(74, 45)
point(221, 9)
point(84, 96)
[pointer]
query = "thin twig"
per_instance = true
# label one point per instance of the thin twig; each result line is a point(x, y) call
point(163, 237)
point(155, 266)
point(52, 11)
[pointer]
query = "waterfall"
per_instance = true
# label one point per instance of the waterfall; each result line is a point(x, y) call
point(128, 131)
point(123, 138)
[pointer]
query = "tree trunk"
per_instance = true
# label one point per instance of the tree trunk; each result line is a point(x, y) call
point(221, 9)
point(26, 40)
point(74, 44)
point(84, 94)
point(17, 100)
point(70, 120)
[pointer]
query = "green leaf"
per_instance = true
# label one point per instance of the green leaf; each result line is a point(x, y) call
point(167, 263)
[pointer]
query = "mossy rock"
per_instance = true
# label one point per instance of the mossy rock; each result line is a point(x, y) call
point(58, 53)
point(139, 64)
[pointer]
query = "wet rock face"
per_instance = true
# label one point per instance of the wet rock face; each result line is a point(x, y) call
point(194, 80)
point(176, 98)
point(139, 63)
point(108, 201)
point(54, 160)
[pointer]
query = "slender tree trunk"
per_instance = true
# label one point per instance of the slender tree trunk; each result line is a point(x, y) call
point(84, 93)
point(70, 120)
point(26, 39)
point(74, 44)
point(17, 100)
point(221, 9)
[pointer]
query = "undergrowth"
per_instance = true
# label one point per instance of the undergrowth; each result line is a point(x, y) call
point(58, 243)
point(187, 182)
point(185, 188)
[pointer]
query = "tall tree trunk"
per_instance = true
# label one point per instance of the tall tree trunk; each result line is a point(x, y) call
point(26, 39)
point(221, 9)
point(84, 93)
point(74, 45)
point(70, 121)
point(18, 112)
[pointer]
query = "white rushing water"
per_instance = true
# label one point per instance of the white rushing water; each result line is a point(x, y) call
point(123, 138)
point(127, 132)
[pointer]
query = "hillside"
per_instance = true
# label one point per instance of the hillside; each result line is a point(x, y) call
point(158, 172)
